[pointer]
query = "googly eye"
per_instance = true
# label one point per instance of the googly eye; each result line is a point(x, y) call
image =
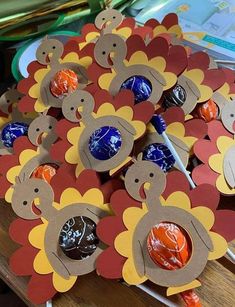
point(25, 202)
point(136, 180)
point(37, 129)
point(36, 190)
point(151, 175)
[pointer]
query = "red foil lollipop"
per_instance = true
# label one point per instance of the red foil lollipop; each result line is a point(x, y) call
point(169, 247)
point(64, 81)
point(45, 172)
point(207, 111)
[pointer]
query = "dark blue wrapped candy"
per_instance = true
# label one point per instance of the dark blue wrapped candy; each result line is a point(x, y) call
point(140, 86)
point(159, 154)
point(12, 131)
point(105, 143)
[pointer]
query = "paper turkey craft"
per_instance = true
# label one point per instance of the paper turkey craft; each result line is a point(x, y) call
point(110, 21)
point(195, 85)
point(57, 231)
point(147, 70)
point(217, 153)
point(140, 208)
point(169, 25)
point(183, 135)
point(53, 58)
point(106, 85)
point(29, 154)
point(106, 131)
point(13, 124)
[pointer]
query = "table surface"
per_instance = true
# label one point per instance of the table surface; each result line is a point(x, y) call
point(218, 283)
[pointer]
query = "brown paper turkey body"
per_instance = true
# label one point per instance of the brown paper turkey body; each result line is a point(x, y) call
point(13, 124)
point(110, 52)
point(49, 53)
point(145, 176)
point(228, 120)
point(83, 103)
point(33, 199)
point(42, 134)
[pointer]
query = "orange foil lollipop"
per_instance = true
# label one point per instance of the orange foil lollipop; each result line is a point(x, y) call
point(169, 247)
point(45, 172)
point(207, 111)
point(64, 81)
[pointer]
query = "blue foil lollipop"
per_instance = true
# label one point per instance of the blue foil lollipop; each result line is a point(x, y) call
point(159, 154)
point(105, 143)
point(12, 131)
point(140, 86)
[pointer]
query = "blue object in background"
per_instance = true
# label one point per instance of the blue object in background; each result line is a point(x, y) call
point(12, 131)
point(160, 155)
point(140, 86)
point(105, 143)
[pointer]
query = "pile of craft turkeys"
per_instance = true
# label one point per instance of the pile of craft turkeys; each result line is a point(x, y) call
point(114, 153)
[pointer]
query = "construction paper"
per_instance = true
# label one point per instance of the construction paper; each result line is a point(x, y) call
point(11, 115)
point(146, 61)
point(28, 153)
point(37, 86)
point(108, 113)
point(110, 21)
point(121, 196)
point(176, 181)
point(40, 236)
point(199, 60)
point(9, 99)
point(168, 25)
point(130, 243)
point(216, 154)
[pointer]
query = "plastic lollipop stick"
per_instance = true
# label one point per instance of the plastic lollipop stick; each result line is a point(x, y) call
point(230, 254)
point(49, 303)
point(157, 296)
point(160, 126)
